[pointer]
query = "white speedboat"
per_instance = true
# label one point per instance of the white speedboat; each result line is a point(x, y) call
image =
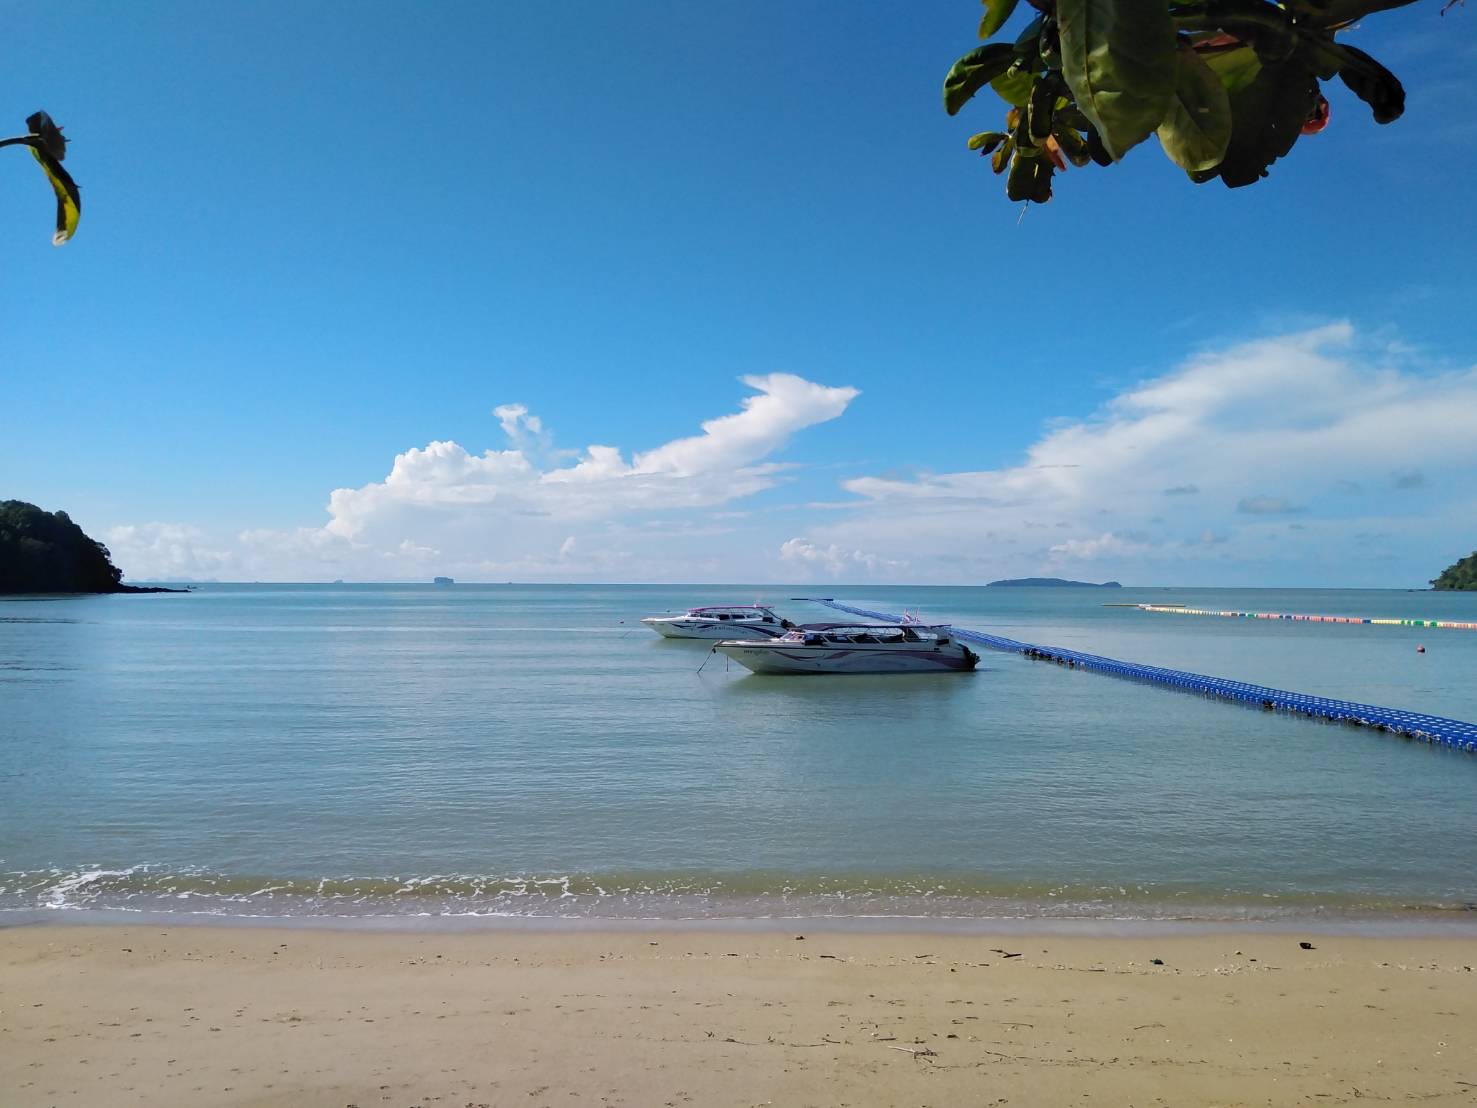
point(736, 621)
point(855, 648)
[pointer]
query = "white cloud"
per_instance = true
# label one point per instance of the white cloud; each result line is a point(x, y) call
point(834, 561)
point(723, 463)
point(1106, 545)
point(1188, 476)
point(444, 509)
point(158, 551)
point(1309, 415)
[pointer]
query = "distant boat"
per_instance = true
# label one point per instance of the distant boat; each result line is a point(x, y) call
point(442, 581)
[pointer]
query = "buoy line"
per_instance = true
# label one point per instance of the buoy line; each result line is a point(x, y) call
point(1177, 609)
point(1407, 725)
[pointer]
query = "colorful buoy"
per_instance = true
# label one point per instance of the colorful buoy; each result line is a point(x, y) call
point(1455, 625)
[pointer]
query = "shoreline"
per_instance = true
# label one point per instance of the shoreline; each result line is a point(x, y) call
point(1456, 924)
point(274, 1017)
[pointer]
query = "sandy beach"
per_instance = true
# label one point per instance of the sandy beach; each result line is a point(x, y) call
point(197, 1016)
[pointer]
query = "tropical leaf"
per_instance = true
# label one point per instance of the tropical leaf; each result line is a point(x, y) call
point(973, 72)
point(1236, 66)
point(996, 13)
point(1373, 83)
point(986, 141)
point(1197, 128)
point(1268, 116)
point(1014, 85)
point(1118, 57)
point(68, 199)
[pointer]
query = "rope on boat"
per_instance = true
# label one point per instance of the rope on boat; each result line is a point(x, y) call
point(1408, 725)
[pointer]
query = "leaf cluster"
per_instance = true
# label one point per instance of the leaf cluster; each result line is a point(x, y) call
point(44, 551)
point(1228, 86)
point(1461, 574)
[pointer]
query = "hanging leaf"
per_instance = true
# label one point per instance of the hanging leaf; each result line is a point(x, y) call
point(1014, 85)
point(68, 200)
point(973, 72)
point(1236, 66)
point(1197, 128)
point(996, 13)
point(1118, 57)
point(986, 141)
point(1030, 178)
point(1374, 84)
point(1268, 116)
point(49, 146)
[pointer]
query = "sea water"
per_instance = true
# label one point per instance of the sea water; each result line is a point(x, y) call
point(358, 752)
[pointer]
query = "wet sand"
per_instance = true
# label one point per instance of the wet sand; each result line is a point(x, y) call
point(169, 1016)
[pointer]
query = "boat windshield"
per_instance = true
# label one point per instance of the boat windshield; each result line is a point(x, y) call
point(864, 634)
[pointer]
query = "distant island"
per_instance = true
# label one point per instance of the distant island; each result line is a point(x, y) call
point(1459, 575)
point(1052, 583)
point(442, 581)
point(44, 551)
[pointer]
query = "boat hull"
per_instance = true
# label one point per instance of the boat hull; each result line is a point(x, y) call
point(679, 628)
point(794, 658)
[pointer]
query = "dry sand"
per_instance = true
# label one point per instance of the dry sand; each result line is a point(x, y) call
point(160, 1016)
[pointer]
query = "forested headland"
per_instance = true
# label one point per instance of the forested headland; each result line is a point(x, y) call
point(43, 552)
point(1458, 575)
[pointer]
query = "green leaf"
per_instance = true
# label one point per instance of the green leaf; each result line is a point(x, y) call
point(1043, 105)
point(986, 141)
point(1236, 66)
point(1268, 115)
point(1014, 85)
point(1030, 178)
point(1197, 128)
point(973, 72)
point(1118, 57)
point(996, 13)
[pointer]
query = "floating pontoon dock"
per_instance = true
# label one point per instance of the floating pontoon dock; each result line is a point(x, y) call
point(1409, 725)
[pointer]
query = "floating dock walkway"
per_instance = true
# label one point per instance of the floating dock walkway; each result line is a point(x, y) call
point(1409, 725)
point(1178, 609)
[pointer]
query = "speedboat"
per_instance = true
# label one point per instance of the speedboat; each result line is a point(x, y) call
point(738, 621)
point(855, 648)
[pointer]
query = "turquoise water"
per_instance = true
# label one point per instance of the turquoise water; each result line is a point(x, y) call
point(532, 750)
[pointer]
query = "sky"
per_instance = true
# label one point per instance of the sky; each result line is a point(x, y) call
point(694, 293)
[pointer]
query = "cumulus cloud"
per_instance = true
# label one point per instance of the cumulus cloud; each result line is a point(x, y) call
point(1186, 476)
point(170, 551)
point(1102, 546)
point(528, 510)
point(724, 463)
point(1306, 414)
point(834, 561)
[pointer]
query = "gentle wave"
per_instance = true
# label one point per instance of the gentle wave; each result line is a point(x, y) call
point(156, 890)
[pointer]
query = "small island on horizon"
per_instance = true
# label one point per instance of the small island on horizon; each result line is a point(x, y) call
point(1051, 583)
point(45, 552)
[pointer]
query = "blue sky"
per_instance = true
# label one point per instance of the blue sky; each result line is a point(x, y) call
point(318, 239)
